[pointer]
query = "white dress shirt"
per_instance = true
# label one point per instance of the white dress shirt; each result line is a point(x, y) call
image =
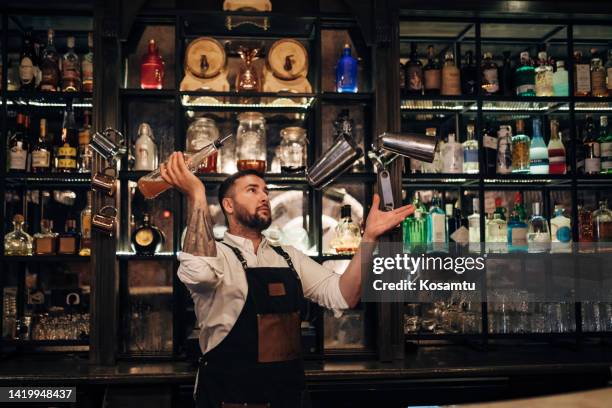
point(218, 285)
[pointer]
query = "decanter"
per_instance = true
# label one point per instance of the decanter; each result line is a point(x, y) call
point(18, 242)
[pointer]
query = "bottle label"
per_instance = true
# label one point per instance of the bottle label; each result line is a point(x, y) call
point(67, 151)
point(26, 70)
point(41, 158)
point(433, 78)
point(592, 165)
point(561, 233)
point(518, 235)
point(470, 156)
point(87, 68)
point(538, 162)
point(606, 155)
point(489, 142)
point(461, 235)
point(438, 230)
point(66, 163)
point(491, 82)
point(415, 77)
point(525, 88)
point(67, 245)
point(451, 83)
point(18, 157)
point(583, 78)
point(598, 82)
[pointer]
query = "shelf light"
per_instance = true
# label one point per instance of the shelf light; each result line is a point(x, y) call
point(514, 181)
point(284, 104)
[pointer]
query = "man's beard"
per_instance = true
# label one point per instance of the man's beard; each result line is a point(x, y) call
point(255, 221)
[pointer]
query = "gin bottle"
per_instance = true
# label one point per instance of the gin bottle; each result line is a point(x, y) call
point(470, 152)
point(544, 76)
point(520, 149)
point(437, 234)
point(452, 156)
point(524, 77)
point(538, 152)
point(561, 80)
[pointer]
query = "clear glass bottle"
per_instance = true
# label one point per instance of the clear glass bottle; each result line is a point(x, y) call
point(592, 160)
point(49, 65)
point(432, 73)
point(202, 132)
point(538, 151)
point(470, 152)
point(87, 65)
point(45, 241)
point(524, 76)
point(582, 76)
point(469, 76)
point(18, 146)
point(152, 68)
point(346, 72)
point(517, 227)
point(452, 156)
point(293, 148)
point(561, 80)
point(147, 239)
point(496, 234)
point(251, 142)
point(602, 223)
point(145, 149)
point(503, 164)
point(85, 154)
point(605, 145)
point(86, 213)
point(490, 75)
point(520, 149)
point(538, 234)
point(71, 69)
point(556, 150)
point(544, 76)
point(414, 72)
point(40, 153)
point(347, 235)
point(68, 242)
point(437, 234)
point(18, 242)
point(474, 222)
point(560, 231)
point(28, 64)
point(598, 76)
point(451, 78)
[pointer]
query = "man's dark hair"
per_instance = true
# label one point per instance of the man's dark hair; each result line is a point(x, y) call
point(228, 183)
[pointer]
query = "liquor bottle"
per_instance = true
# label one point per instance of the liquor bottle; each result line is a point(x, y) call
point(432, 73)
point(85, 249)
point(489, 142)
point(556, 150)
point(582, 76)
point(544, 76)
point(585, 224)
point(346, 72)
point(29, 138)
point(87, 66)
point(561, 80)
point(560, 231)
point(520, 149)
point(474, 222)
point(45, 241)
point(437, 234)
point(605, 145)
point(609, 71)
point(538, 234)
point(414, 72)
point(146, 149)
point(414, 227)
point(416, 166)
point(28, 64)
point(453, 218)
point(503, 164)
point(67, 152)
point(18, 242)
point(451, 79)
point(49, 65)
point(517, 227)
point(592, 161)
point(602, 223)
point(490, 75)
point(508, 75)
point(452, 156)
point(71, 69)
point(469, 80)
point(18, 147)
point(152, 68)
point(470, 152)
point(496, 234)
point(499, 208)
point(402, 77)
point(598, 76)
point(85, 154)
point(347, 234)
point(68, 242)
point(41, 151)
point(524, 77)
point(538, 152)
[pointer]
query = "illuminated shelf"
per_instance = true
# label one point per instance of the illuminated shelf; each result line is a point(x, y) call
point(437, 103)
point(25, 179)
point(223, 101)
point(438, 179)
point(49, 99)
point(132, 256)
point(524, 104)
point(528, 179)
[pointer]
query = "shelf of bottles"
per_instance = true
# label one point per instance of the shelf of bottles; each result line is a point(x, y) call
point(284, 95)
point(520, 110)
point(45, 171)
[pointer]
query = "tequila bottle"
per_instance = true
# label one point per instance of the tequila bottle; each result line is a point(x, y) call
point(605, 145)
point(18, 242)
point(503, 164)
point(524, 77)
point(538, 151)
point(347, 233)
point(602, 223)
point(538, 234)
point(556, 150)
point(437, 234)
point(561, 80)
point(544, 76)
point(45, 241)
point(520, 149)
point(452, 156)
point(68, 242)
point(470, 152)
point(560, 231)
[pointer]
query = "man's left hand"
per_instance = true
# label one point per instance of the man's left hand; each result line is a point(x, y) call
point(378, 222)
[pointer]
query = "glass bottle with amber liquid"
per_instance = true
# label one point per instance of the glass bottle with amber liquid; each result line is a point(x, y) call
point(85, 153)
point(414, 72)
point(347, 234)
point(490, 75)
point(71, 69)
point(41, 151)
point(68, 242)
point(49, 65)
point(45, 241)
point(469, 82)
point(85, 249)
point(432, 73)
point(592, 158)
point(451, 78)
point(599, 87)
point(147, 239)
point(520, 149)
point(67, 152)
point(87, 66)
point(582, 76)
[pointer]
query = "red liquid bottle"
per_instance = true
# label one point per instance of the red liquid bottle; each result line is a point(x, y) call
point(152, 68)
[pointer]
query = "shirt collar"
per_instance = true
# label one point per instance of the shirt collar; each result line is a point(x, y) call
point(243, 243)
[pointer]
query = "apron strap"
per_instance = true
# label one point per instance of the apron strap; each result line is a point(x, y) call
point(238, 255)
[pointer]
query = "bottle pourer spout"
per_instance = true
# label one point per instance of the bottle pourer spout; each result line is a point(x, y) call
point(219, 142)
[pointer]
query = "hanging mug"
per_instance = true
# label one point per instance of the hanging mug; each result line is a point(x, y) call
point(104, 182)
point(105, 220)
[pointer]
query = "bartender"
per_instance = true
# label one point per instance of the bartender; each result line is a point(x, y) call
point(248, 294)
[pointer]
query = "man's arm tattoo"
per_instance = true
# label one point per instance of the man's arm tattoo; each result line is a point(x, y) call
point(199, 238)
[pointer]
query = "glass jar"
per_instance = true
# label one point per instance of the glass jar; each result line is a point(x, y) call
point(293, 149)
point(202, 132)
point(251, 142)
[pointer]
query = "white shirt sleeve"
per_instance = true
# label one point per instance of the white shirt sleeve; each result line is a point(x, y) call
point(320, 284)
point(201, 273)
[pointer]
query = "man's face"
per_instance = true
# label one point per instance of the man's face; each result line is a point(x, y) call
point(249, 202)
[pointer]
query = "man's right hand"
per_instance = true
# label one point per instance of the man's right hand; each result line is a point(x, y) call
point(177, 174)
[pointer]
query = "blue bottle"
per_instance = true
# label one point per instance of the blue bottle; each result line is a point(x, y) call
point(346, 72)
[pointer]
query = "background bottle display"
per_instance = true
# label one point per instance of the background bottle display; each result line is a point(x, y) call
point(85, 153)
point(520, 149)
point(585, 224)
point(517, 227)
point(85, 218)
point(415, 227)
point(605, 145)
point(490, 75)
point(609, 71)
point(524, 77)
point(68, 242)
point(67, 152)
point(41, 151)
point(28, 64)
point(152, 68)
point(592, 161)
point(469, 80)
point(451, 78)
point(432, 73)
point(507, 79)
point(147, 239)
point(560, 230)
point(347, 233)
point(45, 242)
point(87, 66)
point(538, 151)
point(71, 69)
point(474, 222)
point(489, 142)
point(561, 80)
point(538, 234)
point(346, 71)
point(598, 76)
point(18, 148)
point(437, 234)
point(504, 151)
point(414, 72)
point(452, 156)
point(470, 152)
point(602, 223)
point(18, 242)
point(582, 76)
point(544, 76)
point(556, 150)
point(145, 149)
point(496, 234)
point(49, 65)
